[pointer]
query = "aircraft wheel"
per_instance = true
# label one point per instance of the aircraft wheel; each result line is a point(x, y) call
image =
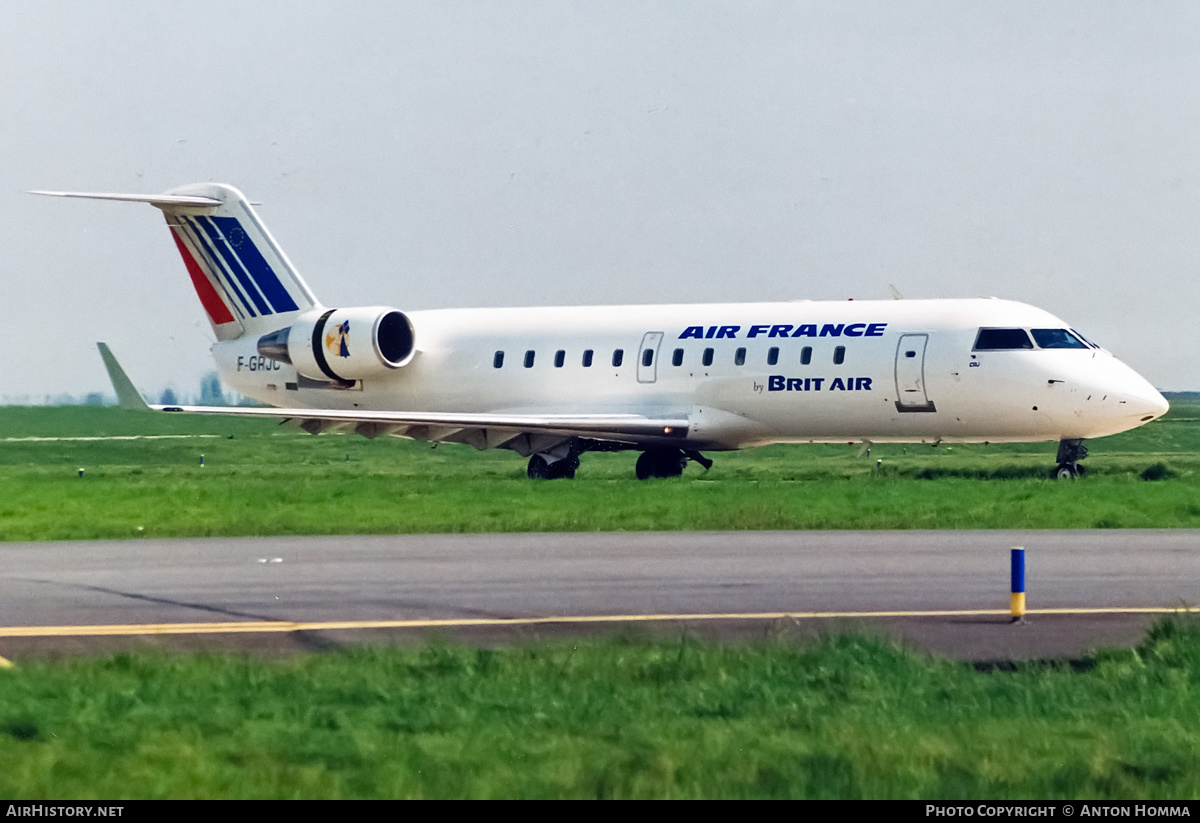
point(1067, 471)
point(538, 469)
point(644, 467)
point(660, 463)
point(542, 469)
point(565, 468)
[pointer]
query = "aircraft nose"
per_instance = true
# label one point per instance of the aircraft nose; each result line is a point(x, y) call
point(1141, 400)
point(1153, 404)
point(1126, 399)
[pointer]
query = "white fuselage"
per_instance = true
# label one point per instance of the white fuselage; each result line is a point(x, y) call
point(907, 371)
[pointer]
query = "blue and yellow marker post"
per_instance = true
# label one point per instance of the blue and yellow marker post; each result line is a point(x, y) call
point(1018, 584)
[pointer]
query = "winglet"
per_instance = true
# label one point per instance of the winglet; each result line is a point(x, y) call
point(128, 397)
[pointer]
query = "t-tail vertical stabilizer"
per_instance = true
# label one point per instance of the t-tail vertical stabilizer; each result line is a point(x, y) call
point(245, 282)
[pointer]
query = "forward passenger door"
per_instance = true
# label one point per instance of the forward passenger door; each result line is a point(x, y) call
point(911, 395)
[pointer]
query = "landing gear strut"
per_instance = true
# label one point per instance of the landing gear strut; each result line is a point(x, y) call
point(1070, 452)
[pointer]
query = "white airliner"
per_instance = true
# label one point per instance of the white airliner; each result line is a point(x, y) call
point(669, 381)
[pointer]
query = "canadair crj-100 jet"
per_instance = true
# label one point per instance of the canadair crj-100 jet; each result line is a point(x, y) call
point(669, 381)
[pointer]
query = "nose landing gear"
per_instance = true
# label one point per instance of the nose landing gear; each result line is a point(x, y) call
point(1070, 452)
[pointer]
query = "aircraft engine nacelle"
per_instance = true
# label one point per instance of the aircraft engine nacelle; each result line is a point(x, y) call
point(343, 344)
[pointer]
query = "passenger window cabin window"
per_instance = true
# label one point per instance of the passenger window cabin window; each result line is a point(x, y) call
point(648, 357)
point(529, 359)
point(587, 358)
point(618, 357)
point(677, 358)
point(1057, 339)
point(707, 358)
point(839, 355)
point(560, 357)
point(806, 355)
point(1002, 339)
point(739, 357)
point(498, 360)
point(772, 355)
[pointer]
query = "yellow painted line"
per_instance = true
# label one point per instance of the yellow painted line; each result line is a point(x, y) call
point(5, 663)
point(1150, 610)
point(289, 626)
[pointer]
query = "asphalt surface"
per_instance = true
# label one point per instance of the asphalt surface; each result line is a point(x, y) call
point(721, 575)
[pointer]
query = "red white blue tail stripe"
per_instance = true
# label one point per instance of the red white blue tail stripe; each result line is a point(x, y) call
point(223, 250)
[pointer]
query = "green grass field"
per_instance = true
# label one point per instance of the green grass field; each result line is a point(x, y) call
point(261, 479)
point(840, 718)
point(634, 717)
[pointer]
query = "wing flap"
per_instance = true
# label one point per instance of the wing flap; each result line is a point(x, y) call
point(481, 430)
point(629, 428)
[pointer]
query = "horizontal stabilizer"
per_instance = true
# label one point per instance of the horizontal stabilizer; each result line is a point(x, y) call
point(160, 200)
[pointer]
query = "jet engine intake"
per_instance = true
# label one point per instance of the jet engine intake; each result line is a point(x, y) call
point(343, 344)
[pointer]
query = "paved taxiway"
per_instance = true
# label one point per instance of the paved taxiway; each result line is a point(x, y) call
point(718, 574)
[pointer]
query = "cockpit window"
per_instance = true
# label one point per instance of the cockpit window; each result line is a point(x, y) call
point(996, 339)
point(1084, 339)
point(1057, 339)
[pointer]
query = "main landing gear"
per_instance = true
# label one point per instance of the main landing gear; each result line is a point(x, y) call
point(659, 462)
point(542, 469)
point(667, 462)
point(1070, 452)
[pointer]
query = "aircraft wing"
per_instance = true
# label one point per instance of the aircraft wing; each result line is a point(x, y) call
point(629, 428)
point(520, 432)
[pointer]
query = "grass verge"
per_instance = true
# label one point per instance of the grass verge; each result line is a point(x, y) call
point(839, 718)
point(257, 479)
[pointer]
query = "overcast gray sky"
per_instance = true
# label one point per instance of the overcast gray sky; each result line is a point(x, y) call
point(441, 154)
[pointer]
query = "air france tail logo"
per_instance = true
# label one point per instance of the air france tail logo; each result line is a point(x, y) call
point(338, 342)
point(221, 247)
point(785, 330)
